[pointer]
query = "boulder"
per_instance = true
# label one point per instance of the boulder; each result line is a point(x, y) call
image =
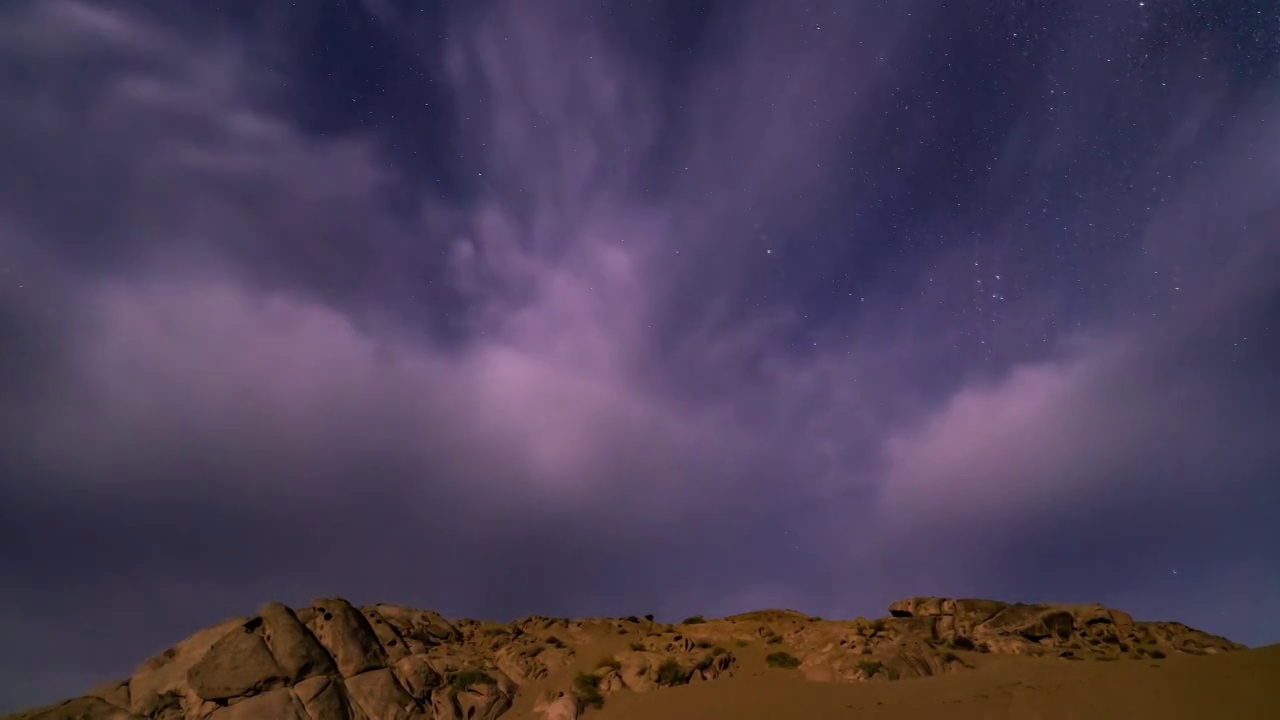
point(297, 652)
point(275, 705)
point(238, 664)
point(347, 636)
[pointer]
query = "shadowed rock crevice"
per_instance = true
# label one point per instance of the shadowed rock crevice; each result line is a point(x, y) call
point(334, 661)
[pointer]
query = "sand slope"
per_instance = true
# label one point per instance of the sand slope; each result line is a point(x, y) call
point(1235, 686)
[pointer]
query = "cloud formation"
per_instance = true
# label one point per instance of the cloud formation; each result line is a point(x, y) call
point(592, 377)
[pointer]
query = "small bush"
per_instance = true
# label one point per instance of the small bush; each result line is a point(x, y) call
point(950, 657)
point(706, 662)
point(649, 618)
point(782, 659)
point(468, 678)
point(693, 620)
point(962, 643)
point(637, 646)
point(1158, 654)
point(704, 644)
point(773, 639)
point(870, 667)
point(717, 651)
point(554, 641)
point(878, 626)
point(587, 687)
point(632, 619)
point(742, 643)
point(670, 673)
point(610, 663)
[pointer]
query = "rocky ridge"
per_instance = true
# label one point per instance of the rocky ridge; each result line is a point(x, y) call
point(334, 661)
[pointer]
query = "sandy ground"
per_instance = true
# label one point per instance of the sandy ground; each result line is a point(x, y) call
point(1234, 686)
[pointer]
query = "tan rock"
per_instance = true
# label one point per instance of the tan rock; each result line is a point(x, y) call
point(116, 693)
point(324, 697)
point(275, 705)
point(417, 676)
point(639, 670)
point(296, 650)
point(238, 664)
point(83, 708)
point(393, 643)
point(378, 694)
point(557, 706)
point(159, 689)
point(348, 636)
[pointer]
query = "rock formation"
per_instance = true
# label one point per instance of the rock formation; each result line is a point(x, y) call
point(333, 661)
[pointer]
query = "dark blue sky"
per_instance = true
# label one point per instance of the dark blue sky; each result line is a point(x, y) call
point(504, 308)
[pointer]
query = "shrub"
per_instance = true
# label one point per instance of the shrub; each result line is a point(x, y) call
point(782, 659)
point(649, 618)
point(587, 687)
point(878, 626)
point(870, 667)
point(962, 643)
point(1158, 654)
point(554, 641)
point(704, 644)
point(637, 646)
point(773, 639)
point(742, 643)
point(670, 673)
point(717, 651)
point(466, 678)
point(950, 657)
point(632, 619)
point(693, 620)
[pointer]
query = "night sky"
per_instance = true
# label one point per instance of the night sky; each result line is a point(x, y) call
point(509, 307)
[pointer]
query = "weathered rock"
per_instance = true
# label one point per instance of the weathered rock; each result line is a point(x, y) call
point(238, 664)
point(379, 695)
point(324, 697)
point(393, 643)
point(83, 708)
point(275, 705)
point(159, 689)
point(1031, 622)
point(557, 706)
point(347, 635)
point(639, 670)
point(483, 702)
point(296, 650)
point(417, 676)
point(520, 662)
point(115, 693)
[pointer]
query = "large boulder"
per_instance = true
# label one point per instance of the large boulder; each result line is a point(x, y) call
point(239, 663)
point(347, 636)
point(297, 652)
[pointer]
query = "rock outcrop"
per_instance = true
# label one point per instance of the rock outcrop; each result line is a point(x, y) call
point(334, 661)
